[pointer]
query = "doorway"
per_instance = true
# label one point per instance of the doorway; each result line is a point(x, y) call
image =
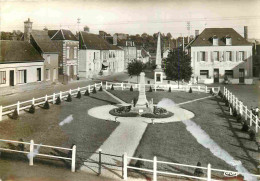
point(11, 77)
point(241, 76)
point(216, 75)
point(39, 74)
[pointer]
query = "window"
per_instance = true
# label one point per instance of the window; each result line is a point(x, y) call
point(229, 73)
point(39, 74)
point(216, 56)
point(48, 59)
point(240, 56)
point(75, 52)
point(47, 74)
point(2, 77)
point(54, 74)
point(68, 52)
point(21, 76)
point(229, 56)
point(202, 56)
point(204, 74)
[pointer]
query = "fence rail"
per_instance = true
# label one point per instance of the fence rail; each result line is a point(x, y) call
point(19, 106)
point(242, 109)
point(155, 171)
point(31, 153)
point(165, 87)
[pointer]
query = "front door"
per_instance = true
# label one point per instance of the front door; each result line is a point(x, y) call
point(11, 77)
point(39, 74)
point(71, 71)
point(216, 75)
point(241, 76)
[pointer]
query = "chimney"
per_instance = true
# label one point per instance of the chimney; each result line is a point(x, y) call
point(27, 30)
point(197, 32)
point(114, 39)
point(246, 32)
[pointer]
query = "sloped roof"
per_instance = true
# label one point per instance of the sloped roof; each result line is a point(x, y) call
point(43, 41)
point(61, 35)
point(144, 53)
point(18, 51)
point(95, 42)
point(205, 38)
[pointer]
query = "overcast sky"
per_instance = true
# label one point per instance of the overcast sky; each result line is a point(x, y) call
point(133, 17)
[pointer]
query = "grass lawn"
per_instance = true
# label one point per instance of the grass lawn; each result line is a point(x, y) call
point(172, 142)
point(87, 132)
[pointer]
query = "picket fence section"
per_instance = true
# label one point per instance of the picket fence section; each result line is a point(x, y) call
point(242, 109)
point(32, 153)
point(218, 173)
point(165, 87)
point(19, 106)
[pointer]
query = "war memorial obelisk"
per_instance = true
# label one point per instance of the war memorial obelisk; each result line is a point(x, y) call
point(158, 72)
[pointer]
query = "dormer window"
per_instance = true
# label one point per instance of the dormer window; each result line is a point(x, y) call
point(215, 40)
point(228, 40)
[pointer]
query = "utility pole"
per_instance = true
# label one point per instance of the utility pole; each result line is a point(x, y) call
point(188, 28)
point(78, 25)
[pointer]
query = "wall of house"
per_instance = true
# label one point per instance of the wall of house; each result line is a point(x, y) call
point(222, 64)
point(30, 67)
point(130, 54)
point(52, 66)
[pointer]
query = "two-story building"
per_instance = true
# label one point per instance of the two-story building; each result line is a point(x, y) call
point(142, 55)
point(219, 54)
point(97, 56)
point(68, 46)
point(20, 63)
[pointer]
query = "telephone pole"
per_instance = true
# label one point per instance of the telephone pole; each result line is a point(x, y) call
point(78, 24)
point(188, 28)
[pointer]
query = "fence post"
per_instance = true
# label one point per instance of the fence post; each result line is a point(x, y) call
point(154, 168)
point(206, 89)
point(256, 124)
point(60, 95)
point(101, 84)
point(46, 98)
point(89, 88)
point(199, 88)
point(33, 101)
point(53, 98)
point(70, 91)
point(154, 87)
point(1, 113)
point(241, 108)
point(251, 117)
point(125, 166)
point(122, 86)
point(95, 85)
point(31, 153)
point(209, 172)
point(18, 107)
point(99, 161)
point(73, 159)
point(246, 110)
point(78, 89)
point(106, 85)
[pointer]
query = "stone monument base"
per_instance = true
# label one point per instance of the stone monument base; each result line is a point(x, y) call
point(141, 110)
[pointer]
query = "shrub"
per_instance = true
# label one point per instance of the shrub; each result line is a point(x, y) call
point(78, 95)
point(239, 118)
point(100, 89)
point(15, 114)
point(58, 101)
point(69, 99)
point(220, 94)
point(252, 135)
point(170, 89)
point(245, 127)
point(135, 101)
point(94, 91)
point(190, 91)
point(234, 112)
point(226, 103)
point(46, 105)
point(86, 93)
point(112, 88)
point(32, 109)
point(151, 115)
point(150, 90)
point(198, 171)
point(125, 114)
point(139, 163)
point(131, 88)
point(211, 91)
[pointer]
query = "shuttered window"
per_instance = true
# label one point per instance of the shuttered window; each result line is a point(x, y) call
point(228, 56)
point(75, 52)
point(68, 52)
point(241, 56)
point(2, 77)
point(216, 56)
point(21, 76)
point(204, 73)
point(229, 73)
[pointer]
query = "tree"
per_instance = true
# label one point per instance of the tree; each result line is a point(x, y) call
point(178, 65)
point(134, 68)
point(169, 36)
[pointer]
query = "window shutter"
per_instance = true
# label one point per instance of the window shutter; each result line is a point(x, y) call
point(233, 56)
point(211, 56)
point(198, 56)
point(224, 56)
point(25, 76)
point(238, 56)
point(194, 56)
point(206, 56)
point(220, 56)
point(245, 55)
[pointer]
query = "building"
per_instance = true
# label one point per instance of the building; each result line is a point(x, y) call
point(20, 63)
point(97, 56)
point(129, 49)
point(68, 46)
point(43, 44)
point(142, 55)
point(221, 53)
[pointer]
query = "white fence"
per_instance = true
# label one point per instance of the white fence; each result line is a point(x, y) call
point(32, 153)
point(218, 173)
point(19, 106)
point(242, 109)
point(165, 87)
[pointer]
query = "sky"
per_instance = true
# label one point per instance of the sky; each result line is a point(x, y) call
point(133, 17)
